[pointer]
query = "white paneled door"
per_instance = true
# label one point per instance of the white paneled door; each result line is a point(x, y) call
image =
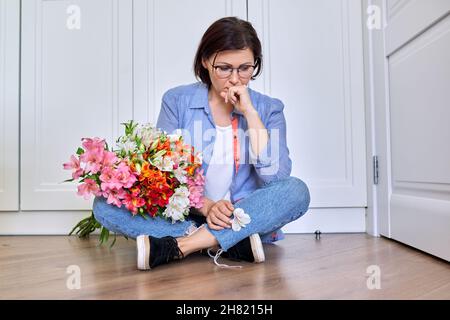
point(417, 53)
point(9, 104)
point(76, 82)
point(313, 63)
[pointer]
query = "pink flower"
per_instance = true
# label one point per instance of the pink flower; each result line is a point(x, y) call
point(91, 144)
point(109, 179)
point(109, 158)
point(72, 164)
point(75, 165)
point(114, 197)
point(117, 178)
point(93, 159)
point(196, 197)
point(199, 178)
point(87, 188)
point(125, 176)
point(195, 185)
point(95, 155)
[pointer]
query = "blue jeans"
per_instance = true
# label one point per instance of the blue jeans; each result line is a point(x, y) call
point(270, 207)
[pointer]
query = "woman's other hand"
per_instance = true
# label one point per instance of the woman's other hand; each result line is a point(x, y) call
point(239, 97)
point(219, 215)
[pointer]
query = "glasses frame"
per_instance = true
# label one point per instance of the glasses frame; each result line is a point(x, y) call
point(232, 69)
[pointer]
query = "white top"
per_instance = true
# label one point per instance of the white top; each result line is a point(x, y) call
point(220, 169)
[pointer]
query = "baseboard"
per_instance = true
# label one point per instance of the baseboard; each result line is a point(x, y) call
point(329, 220)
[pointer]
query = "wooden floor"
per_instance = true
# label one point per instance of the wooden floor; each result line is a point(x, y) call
point(299, 267)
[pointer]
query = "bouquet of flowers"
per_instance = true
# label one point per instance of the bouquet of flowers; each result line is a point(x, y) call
point(151, 173)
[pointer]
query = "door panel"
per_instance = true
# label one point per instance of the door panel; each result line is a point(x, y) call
point(419, 79)
point(76, 82)
point(9, 104)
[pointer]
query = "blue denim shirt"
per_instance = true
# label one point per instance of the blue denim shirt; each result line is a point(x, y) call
point(187, 108)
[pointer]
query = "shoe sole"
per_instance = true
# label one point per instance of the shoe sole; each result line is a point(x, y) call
point(143, 252)
point(257, 248)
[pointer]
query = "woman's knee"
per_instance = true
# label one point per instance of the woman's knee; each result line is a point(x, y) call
point(300, 192)
point(98, 214)
point(101, 209)
point(108, 216)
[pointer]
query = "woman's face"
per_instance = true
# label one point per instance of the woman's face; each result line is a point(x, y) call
point(233, 59)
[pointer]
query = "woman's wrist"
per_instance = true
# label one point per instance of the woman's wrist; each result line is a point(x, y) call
point(250, 112)
point(207, 203)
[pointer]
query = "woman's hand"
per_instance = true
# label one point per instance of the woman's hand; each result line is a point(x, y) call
point(207, 204)
point(219, 215)
point(240, 98)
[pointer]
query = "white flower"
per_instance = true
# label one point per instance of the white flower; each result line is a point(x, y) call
point(240, 219)
point(173, 137)
point(167, 164)
point(198, 158)
point(178, 205)
point(183, 162)
point(127, 146)
point(156, 162)
point(163, 163)
point(147, 134)
point(180, 174)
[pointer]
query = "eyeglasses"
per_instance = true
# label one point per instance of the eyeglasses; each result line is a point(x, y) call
point(244, 71)
point(224, 71)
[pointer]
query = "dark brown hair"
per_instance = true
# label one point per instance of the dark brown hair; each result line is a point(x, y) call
point(229, 33)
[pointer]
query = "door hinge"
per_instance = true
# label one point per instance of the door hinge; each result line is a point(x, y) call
point(375, 169)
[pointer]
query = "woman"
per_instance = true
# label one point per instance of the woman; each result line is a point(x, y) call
point(246, 163)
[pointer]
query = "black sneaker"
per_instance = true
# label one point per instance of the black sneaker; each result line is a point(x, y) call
point(152, 252)
point(249, 249)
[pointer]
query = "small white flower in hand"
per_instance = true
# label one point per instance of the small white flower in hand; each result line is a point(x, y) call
point(240, 219)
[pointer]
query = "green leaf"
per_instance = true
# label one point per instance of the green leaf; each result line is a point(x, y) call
point(129, 127)
point(80, 224)
point(114, 241)
point(88, 225)
point(68, 180)
point(143, 215)
point(138, 141)
point(102, 236)
point(159, 153)
point(154, 144)
point(80, 151)
point(106, 234)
